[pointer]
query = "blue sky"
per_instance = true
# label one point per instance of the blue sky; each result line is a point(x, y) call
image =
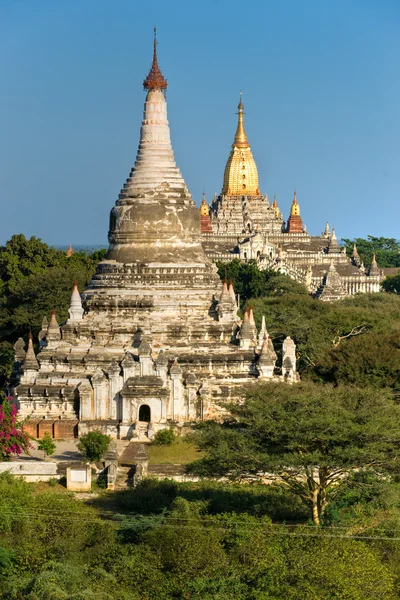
point(321, 88)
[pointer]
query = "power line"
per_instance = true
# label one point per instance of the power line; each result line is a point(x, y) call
point(266, 528)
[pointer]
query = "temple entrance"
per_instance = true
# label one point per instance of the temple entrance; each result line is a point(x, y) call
point(144, 413)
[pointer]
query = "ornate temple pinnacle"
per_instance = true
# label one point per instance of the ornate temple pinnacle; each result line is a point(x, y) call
point(295, 209)
point(155, 79)
point(241, 140)
point(240, 176)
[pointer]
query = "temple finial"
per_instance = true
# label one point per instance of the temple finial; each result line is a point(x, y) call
point(155, 79)
point(295, 209)
point(241, 140)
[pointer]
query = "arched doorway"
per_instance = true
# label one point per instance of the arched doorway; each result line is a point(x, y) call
point(144, 413)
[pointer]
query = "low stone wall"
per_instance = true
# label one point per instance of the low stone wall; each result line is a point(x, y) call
point(59, 429)
point(31, 470)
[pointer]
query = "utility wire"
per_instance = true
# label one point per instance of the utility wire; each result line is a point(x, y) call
point(217, 527)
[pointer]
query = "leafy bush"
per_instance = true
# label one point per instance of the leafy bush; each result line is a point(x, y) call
point(47, 444)
point(164, 437)
point(93, 445)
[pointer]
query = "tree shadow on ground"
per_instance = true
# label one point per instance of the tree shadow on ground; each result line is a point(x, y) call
point(152, 497)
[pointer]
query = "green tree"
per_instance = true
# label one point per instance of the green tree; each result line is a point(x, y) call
point(34, 279)
point(307, 436)
point(387, 250)
point(392, 284)
point(371, 360)
point(47, 444)
point(249, 282)
point(93, 445)
point(323, 331)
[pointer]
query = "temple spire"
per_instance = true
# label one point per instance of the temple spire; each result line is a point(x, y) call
point(374, 270)
point(295, 208)
point(333, 243)
point(295, 223)
point(53, 331)
point(30, 361)
point(155, 79)
point(240, 176)
point(276, 208)
point(241, 140)
point(75, 311)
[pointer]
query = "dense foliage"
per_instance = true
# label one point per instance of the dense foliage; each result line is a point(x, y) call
point(392, 284)
point(307, 436)
point(34, 279)
point(190, 545)
point(387, 250)
point(249, 282)
point(93, 445)
point(164, 437)
point(355, 341)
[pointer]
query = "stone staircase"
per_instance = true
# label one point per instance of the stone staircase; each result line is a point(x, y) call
point(124, 477)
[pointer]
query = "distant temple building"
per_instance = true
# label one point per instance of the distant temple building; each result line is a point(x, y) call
point(155, 339)
point(242, 223)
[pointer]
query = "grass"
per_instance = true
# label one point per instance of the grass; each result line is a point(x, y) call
point(180, 452)
point(39, 487)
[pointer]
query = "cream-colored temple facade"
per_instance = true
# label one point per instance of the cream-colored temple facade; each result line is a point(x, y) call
point(155, 339)
point(242, 223)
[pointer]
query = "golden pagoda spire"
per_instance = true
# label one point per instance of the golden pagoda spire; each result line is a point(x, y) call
point(240, 176)
point(204, 211)
point(295, 209)
point(295, 224)
point(241, 140)
point(276, 208)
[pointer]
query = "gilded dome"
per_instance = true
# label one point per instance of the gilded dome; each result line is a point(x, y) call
point(241, 176)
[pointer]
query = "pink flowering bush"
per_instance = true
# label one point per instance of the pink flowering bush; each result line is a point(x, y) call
point(13, 440)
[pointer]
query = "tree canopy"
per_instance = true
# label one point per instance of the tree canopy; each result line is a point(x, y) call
point(309, 436)
point(392, 284)
point(387, 250)
point(249, 282)
point(35, 278)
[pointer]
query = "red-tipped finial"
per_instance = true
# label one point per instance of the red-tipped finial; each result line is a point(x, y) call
point(155, 79)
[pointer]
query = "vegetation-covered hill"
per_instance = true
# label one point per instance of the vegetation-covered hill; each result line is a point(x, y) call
point(196, 542)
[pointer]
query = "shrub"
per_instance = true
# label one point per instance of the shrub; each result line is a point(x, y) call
point(93, 445)
point(13, 440)
point(164, 437)
point(47, 444)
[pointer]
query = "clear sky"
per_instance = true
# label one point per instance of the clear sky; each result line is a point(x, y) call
point(321, 89)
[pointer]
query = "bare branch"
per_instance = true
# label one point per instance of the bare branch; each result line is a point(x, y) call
point(357, 330)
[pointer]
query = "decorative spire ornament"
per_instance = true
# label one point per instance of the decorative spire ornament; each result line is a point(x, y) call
point(374, 270)
point(295, 223)
point(30, 361)
point(240, 176)
point(53, 330)
point(155, 79)
point(75, 311)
